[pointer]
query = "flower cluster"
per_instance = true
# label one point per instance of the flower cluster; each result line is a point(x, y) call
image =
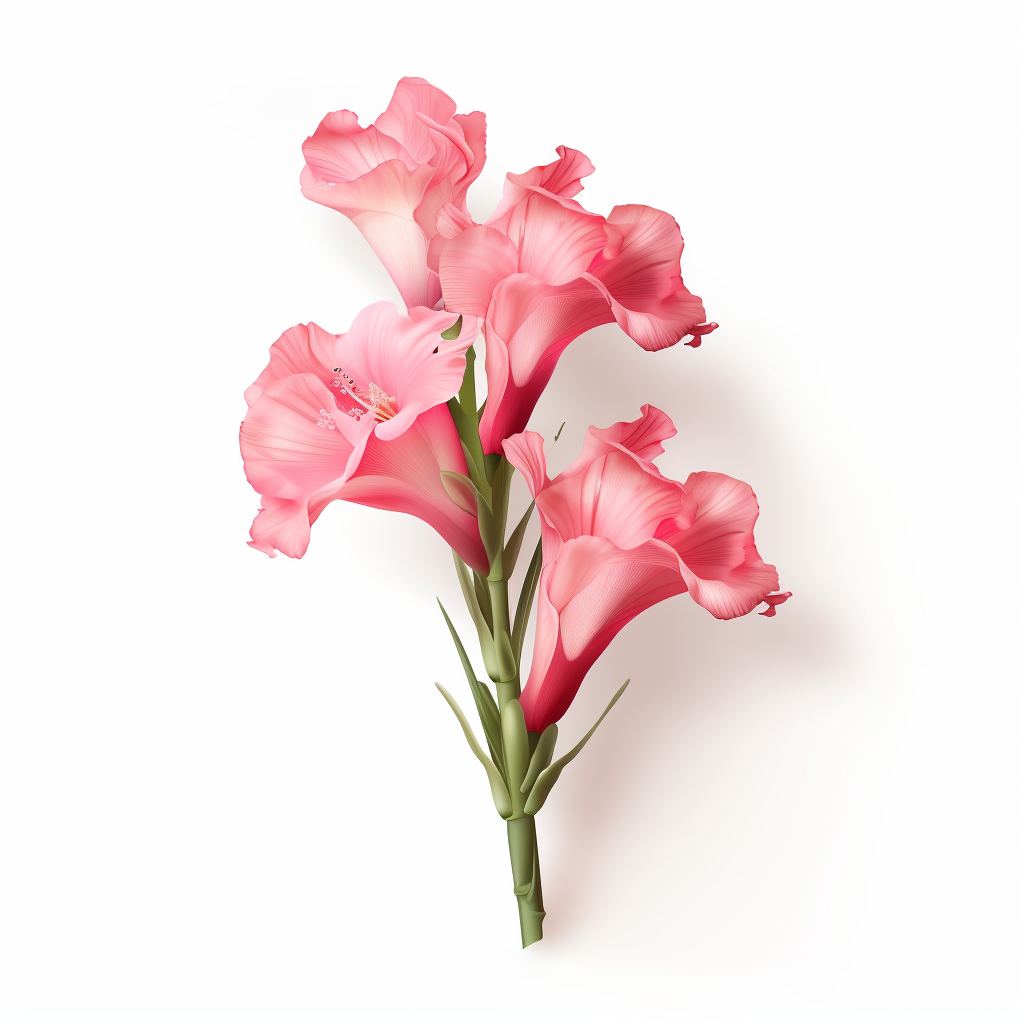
point(386, 415)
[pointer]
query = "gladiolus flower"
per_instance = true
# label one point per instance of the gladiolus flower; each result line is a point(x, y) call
point(543, 270)
point(392, 178)
point(619, 537)
point(360, 417)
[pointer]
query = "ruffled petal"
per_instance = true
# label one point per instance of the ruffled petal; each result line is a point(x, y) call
point(642, 282)
point(640, 437)
point(715, 544)
point(560, 180)
point(401, 121)
point(305, 348)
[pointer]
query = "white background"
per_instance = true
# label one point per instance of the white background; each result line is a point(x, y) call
point(230, 791)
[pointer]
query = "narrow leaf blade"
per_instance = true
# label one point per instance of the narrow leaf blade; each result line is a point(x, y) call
point(515, 542)
point(549, 776)
point(526, 601)
point(502, 801)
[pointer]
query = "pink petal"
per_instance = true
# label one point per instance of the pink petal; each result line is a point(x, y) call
point(471, 265)
point(305, 348)
point(585, 597)
point(474, 130)
point(642, 437)
point(295, 441)
point(404, 475)
point(555, 243)
point(528, 326)
point(414, 96)
point(560, 180)
point(642, 283)
point(339, 150)
point(719, 561)
point(405, 357)
point(382, 205)
point(526, 453)
point(616, 497)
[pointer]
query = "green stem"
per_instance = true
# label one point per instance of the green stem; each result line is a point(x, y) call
point(522, 847)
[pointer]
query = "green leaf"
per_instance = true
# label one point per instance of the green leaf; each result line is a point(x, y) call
point(483, 627)
point(515, 542)
point(453, 332)
point(525, 601)
point(486, 707)
point(502, 801)
point(541, 757)
point(549, 776)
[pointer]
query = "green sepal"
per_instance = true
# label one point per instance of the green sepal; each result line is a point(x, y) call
point(541, 758)
point(525, 601)
point(515, 542)
point(486, 707)
point(516, 745)
point(549, 776)
point(499, 794)
point(454, 331)
point(461, 490)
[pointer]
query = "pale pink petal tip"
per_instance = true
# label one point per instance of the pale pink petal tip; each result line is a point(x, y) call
point(698, 333)
point(773, 600)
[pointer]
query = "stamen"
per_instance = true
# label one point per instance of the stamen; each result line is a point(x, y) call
point(375, 400)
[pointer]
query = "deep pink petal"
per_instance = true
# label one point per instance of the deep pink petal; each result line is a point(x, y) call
point(774, 600)
point(719, 561)
point(642, 282)
point(528, 326)
point(585, 597)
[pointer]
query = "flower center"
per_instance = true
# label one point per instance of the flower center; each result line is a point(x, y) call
point(374, 400)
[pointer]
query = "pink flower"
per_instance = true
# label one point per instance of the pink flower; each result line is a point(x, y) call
point(619, 537)
point(393, 177)
point(360, 417)
point(543, 270)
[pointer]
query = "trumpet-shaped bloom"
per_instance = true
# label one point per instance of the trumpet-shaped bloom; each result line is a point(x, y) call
point(360, 417)
point(543, 270)
point(392, 178)
point(619, 537)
